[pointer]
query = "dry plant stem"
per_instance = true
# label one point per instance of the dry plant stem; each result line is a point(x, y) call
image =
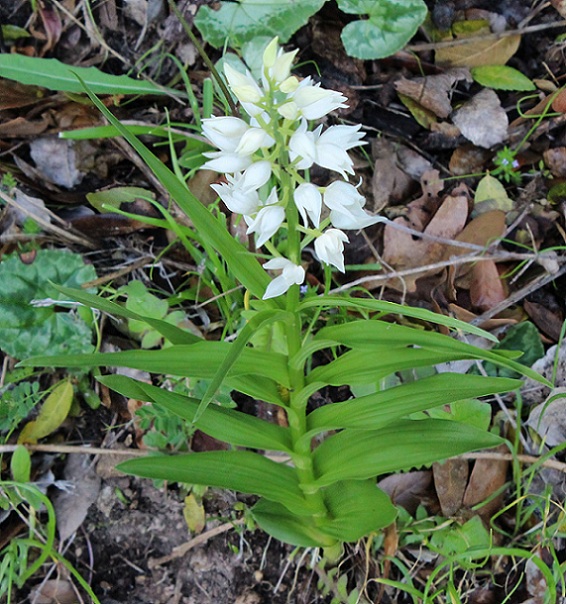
point(504, 34)
point(140, 263)
point(181, 550)
point(65, 234)
point(67, 449)
point(497, 257)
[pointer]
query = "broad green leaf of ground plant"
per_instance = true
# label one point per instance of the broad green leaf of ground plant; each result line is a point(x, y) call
point(501, 77)
point(228, 425)
point(238, 22)
point(26, 329)
point(52, 414)
point(52, 74)
point(390, 24)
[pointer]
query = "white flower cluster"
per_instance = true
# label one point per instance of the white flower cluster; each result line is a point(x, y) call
point(275, 146)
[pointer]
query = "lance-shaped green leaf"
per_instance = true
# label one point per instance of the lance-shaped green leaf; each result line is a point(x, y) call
point(356, 508)
point(377, 410)
point(360, 454)
point(280, 522)
point(367, 334)
point(386, 308)
point(243, 265)
point(236, 349)
point(228, 425)
point(52, 74)
point(241, 471)
point(171, 332)
point(368, 367)
point(255, 373)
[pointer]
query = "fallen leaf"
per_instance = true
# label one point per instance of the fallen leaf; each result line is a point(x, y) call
point(560, 7)
point(193, 512)
point(487, 477)
point(468, 159)
point(450, 480)
point(487, 289)
point(409, 490)
point(476, 52)
point(390, 184)
point(482, 119)
point(547, 320)
point(71, 506)
point(59, 160)
point(555, 159)
point(403, 251)
point(54, 591)
point(52, 414)
point(491, 195)
point(434, 93)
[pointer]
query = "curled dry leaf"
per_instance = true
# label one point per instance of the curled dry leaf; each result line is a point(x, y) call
point(483, 120)
point(555, 159)
point(433, 92)
point(402, 251)
point(450, 481)
point(487, 289)
point(390, 184)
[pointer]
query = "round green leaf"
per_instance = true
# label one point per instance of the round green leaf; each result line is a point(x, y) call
point(501, 77)
point(391, 24)
point(27, 330)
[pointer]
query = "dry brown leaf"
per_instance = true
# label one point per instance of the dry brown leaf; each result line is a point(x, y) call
point(14, 95)
point(487, 289)
point(477, 52)
point(409, 490)
point(71, 506)
point(549, 322)
point(555, 159)
point(560, 7)
point(54, 591)
point(402, 251)
point(450, 480)
point(482, 119)
point(468, 159)
point(487, 477)
point(389, 183)
point(433, 92)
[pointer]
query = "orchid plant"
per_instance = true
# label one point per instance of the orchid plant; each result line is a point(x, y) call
point(317, 485)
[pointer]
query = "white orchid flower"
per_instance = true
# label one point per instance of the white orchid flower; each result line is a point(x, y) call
point(329, 248)
point(240, 193)
point(268, 220)
point(292, 274)
point(226, 162)
point(254, 139)
point(308, 200)
point(224, 132)
point(314, 102)
point(243, 85)
point(277, 63)
point(346, 205)
point(327, 149)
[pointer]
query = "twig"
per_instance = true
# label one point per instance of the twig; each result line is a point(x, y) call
point(65, 234)
point(473, 40)
point(526, 459)
point(181, 550)
point(84, 450)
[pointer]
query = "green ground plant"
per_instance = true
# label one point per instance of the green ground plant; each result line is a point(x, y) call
point(325, 494)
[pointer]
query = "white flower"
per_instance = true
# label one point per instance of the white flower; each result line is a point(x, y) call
point(327, 149)
point(226, 162)
point(346, 205)
point(224, 132)
point(329, 248)
point(268, 220)
point(308, 200)
point(243, 85)
point(292, 274)
point(303, 145)
point(240, 193)
point(254, 139)
point(314, 102)
point(276, 63)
